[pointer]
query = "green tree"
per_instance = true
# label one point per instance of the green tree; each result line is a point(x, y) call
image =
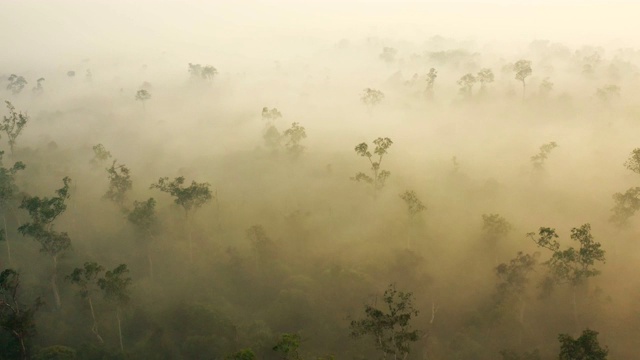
point(206, 72)
point(100, 154)
point(245, 354)
point(13, 124)
point(288, 347)
point(494, 229)
point(16, 83)
point(523, 70)
point(38, 89)
point(115, 287)
point(466, 83)
point(86, 279)
point(8, 192)
point(143, 217)
point(379, 177)
point(485, 76)
point(627, 203)
point(513, 282)
point(143, 95)
point(43, 211)
point(538, 159)
point(119, 184)
point(389, 327)
point(371, 98)
point(414, 208)
point(585, 347)
point(571, 266)
point(431, 79)
point(15, 317)
point(294, 135)
point(190, 198)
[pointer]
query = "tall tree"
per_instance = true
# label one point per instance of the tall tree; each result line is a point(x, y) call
point(13, 124)
point(522, 69)
point(15, 317)
point(571, 266)
point(379, 177)
point(8, 192)
point(115, 287)
point(86, 278)
point(190, 198)
point(43, 211)
point(390, 326)
point(143, 217)
point(119, 184)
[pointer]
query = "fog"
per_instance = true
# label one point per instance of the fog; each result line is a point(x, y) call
point(485, 123)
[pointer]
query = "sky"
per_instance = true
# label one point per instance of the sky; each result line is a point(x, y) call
point(246, 28)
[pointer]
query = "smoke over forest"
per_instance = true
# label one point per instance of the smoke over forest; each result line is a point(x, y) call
point(319, 180)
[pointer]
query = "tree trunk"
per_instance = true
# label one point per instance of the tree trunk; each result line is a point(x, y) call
point(523, 89)
point(188, 225)
point(94, 328)
point(6, 239)
point(119, 329)
point(575, 308)
point(150, 264)
point(54, 284)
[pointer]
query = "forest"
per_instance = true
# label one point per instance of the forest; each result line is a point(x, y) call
point(359, 197)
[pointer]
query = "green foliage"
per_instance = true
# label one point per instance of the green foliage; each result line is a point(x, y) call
point(571, 265)
point(15, 317)
point(16, 83)
point(143, 95)
point(485, 76)
point(379, 176)
point(539, 159)
point(288, 347)
point(514, 276)
point(633, 162)
point(495, 226)
point(371, 97)
point(56, 352)
point(271, 114)
point(43, 211)
point(390, 328)
point(431, 79)
point(38, 89)
point(586, 347)
point(206, 72)
point(466, 83)
point(100, 154)
point(414, 205)
point(625, 205)
point(8, 187)
point(522, 69)
point(189, 197)
point(119, 183)
point(85, 277)
point(13, 124)
point(245, 354)
point(294, 135)
point(115, 285)
point(143, 215)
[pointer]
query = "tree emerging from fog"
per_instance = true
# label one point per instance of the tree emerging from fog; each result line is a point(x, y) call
point(378, 177)
point(523, 70)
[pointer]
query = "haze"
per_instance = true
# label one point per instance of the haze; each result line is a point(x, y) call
point(254, 179)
